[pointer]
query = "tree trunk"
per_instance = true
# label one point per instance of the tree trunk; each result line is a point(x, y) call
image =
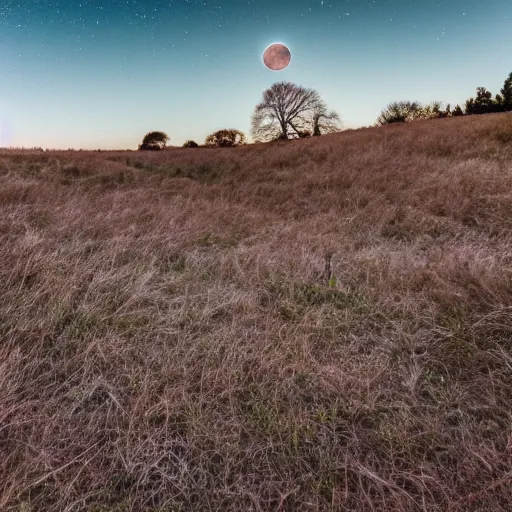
point(293, 127)
point(284, 131)
point(316, 126)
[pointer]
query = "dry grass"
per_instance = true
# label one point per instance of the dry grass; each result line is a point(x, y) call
point(169, 341)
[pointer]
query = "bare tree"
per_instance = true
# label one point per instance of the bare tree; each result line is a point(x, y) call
point(288, 111)
point(325, 121)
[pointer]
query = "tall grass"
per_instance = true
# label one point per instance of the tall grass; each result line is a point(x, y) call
point(171, 341)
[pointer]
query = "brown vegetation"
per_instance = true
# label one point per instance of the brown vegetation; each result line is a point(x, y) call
point(319, 325)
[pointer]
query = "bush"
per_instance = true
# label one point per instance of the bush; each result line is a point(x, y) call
point(225, 138)
point(153, 141)
point(191, 144)
point(405, 111)
point(399, 112)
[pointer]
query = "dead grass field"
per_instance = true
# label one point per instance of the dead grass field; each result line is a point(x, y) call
point(169, 340)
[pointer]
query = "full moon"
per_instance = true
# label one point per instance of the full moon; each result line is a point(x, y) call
point(277, 57)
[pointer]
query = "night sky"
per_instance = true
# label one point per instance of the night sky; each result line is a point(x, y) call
point(100, 74)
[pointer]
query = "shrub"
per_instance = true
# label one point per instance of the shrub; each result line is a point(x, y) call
point(225, 138)
point(405, 111)
point(399, 112)
point(154, 141)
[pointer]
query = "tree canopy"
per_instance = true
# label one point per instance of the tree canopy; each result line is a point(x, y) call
point(154, 141)
point(290, 111)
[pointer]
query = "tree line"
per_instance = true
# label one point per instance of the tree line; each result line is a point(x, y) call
point(482, 103)
point(289, 111)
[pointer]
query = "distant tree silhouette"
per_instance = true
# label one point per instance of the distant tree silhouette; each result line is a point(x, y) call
point(287, 111)
point(191, 144)
point(506, 94)
point(434, 109)
point(154, 141)
point(457, 111)
point(469, 107)
point(225, 138)
point(484, 102)
point(498, 104)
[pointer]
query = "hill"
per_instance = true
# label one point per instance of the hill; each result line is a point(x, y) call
point(319, 325)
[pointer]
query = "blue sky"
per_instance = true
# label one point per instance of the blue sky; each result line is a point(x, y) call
point(91, 74)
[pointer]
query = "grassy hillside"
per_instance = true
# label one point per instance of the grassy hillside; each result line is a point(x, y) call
point(170, 340)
